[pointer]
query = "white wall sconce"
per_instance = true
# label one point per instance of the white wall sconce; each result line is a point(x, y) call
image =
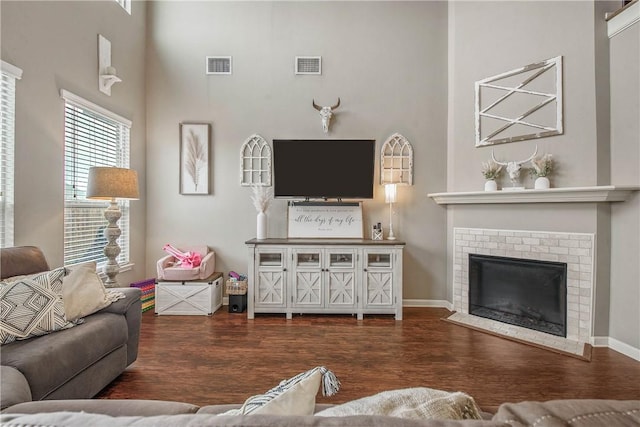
point(391, 196)
point(106, 73)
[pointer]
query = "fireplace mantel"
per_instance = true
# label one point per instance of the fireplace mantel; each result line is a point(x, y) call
point(598, 194)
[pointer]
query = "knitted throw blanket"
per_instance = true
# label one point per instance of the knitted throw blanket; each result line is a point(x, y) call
point(414, 403)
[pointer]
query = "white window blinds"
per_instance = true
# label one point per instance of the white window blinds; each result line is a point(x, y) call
point(93, 136)
point(8, 76)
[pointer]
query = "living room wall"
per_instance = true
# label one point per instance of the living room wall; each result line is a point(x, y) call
point(55, 43)
point(387, 61)
point(487, 38)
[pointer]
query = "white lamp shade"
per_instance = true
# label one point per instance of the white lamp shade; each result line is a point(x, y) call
point(390, 193)
point(110, 182)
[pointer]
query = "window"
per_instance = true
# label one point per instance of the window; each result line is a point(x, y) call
point(8, 77)
point(126, 5)
point(93, 136)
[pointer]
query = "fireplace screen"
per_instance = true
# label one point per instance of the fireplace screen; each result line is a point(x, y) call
point(522, 292)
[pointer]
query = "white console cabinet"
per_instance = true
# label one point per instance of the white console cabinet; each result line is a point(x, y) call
point(348, 276)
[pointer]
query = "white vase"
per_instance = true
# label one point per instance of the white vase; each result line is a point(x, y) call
point(490, 185)
point(261, 226)
point(541, 183)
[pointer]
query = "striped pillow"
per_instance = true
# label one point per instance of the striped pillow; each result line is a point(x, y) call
point(295, 396)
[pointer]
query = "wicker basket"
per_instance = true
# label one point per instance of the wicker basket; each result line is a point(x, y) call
point(238, 287)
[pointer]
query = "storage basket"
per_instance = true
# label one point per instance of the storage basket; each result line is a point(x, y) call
point(237, 287)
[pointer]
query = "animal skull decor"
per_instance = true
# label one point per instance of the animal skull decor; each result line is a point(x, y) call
point(326, 113)
point(513, 168)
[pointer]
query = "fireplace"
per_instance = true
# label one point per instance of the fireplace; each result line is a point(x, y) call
point(522, 292)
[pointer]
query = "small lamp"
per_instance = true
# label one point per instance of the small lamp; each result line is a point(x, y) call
point(111, 183)
point(390, 196)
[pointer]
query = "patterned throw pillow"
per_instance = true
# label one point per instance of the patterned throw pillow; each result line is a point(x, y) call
point(295, 396)
point(32, 306)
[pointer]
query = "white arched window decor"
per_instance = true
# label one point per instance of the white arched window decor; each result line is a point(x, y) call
point(255, 162)
point(396, 161)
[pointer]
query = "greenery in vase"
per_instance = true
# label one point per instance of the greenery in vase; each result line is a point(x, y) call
point(491, 170)
point(542, 166)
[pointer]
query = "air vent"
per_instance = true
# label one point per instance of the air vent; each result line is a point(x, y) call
point(218, 65)
point(308, 65)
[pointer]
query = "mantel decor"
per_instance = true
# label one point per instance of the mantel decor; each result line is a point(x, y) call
point(194, 158)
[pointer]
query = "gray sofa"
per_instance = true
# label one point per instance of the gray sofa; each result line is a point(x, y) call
point(74, 363)
point(140, 413)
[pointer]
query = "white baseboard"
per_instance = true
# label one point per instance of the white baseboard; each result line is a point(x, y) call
point(427, 303)
point(617, 345)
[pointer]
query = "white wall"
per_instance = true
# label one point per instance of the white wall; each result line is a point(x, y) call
point(625, 170)
point(55, 43)
point(385, 60)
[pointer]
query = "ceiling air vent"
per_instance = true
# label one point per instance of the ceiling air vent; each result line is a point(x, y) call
point(308, 65)
point(218, 65)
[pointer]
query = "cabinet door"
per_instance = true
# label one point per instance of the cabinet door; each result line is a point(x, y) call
point(378, 284)
point(271, 275)
point(307, 278)
point(340, 273)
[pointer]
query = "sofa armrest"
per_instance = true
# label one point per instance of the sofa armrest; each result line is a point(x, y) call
point(131, 308)
point(124, 304)
point(14, 386)
point(208, 265)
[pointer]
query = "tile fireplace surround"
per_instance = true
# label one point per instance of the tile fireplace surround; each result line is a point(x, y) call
point(574, 249)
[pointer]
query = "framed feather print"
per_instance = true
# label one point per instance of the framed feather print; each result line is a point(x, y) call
point(195, 143)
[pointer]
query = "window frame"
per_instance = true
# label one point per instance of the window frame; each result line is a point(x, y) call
point(8, 74)
point(113, 150)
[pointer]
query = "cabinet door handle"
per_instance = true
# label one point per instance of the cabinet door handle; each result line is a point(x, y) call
point(284, 269)
point(365, 269)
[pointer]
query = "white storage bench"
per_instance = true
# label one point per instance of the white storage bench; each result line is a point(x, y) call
point(190, 298)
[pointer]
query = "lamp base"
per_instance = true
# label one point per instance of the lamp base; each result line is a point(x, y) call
point(112, 250)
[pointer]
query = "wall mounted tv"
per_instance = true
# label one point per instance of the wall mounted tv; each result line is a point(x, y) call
point(323, 168)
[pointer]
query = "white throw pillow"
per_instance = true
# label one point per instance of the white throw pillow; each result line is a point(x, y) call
point(83, 292)
point(295, 396)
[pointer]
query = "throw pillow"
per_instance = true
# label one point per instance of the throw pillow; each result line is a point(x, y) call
point(295, 396)
point(83, 292)
point(32, 306)
point(414, 403)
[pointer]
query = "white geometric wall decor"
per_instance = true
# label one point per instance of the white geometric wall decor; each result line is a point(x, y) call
point(520, 104)
point(255, 162)
point(396, 161)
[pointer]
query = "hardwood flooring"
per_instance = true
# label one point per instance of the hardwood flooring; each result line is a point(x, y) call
point(227, 358)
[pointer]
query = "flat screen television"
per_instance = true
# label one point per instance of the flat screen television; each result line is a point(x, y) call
point(323, 168)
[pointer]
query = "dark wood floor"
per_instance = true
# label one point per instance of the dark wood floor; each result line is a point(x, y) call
point(227, 358)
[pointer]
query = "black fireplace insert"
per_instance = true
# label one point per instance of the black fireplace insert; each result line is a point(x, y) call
point(522, 292)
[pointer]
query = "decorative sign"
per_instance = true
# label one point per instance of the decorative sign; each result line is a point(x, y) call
point(340, 220)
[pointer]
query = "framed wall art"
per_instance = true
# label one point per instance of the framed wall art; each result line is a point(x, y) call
point(521, 104)
point(195, 143)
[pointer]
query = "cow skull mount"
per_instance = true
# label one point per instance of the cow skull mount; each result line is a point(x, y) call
point(326, 113)
point(513, 168)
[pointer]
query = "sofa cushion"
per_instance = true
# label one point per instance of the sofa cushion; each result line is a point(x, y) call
point(50, 361)
point(15, 388)
point(579, 412)
point(32, 306)
point(77, 419)
point(21, 260)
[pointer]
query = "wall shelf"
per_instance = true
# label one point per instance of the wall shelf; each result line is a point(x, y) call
point(598, 194)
